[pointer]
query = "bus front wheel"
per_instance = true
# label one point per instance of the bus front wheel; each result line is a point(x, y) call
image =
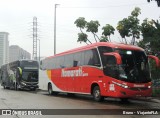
point(124, 100)
point(97, 94)
point(50, 91)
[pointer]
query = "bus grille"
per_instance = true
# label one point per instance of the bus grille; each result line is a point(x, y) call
point(139, 88)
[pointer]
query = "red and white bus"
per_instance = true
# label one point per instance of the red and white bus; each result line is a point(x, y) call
point(101, 69)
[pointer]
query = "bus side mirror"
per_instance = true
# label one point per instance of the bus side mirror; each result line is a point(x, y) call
point(156, 60)
point(116, 55)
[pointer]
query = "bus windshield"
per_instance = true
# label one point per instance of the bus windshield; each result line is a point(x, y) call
point(134, 67)
point(30, 76)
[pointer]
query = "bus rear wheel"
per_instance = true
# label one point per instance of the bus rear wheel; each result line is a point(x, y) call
point(17, 86)
point(50, 91)
point(97, 94)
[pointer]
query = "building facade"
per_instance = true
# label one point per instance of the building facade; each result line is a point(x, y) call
point(4, 48)
point(17, 53)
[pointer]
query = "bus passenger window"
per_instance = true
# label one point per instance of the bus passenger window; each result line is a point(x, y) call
point(75, 63)
point(88, 55)
point(91, 58)
point(60, 62)
point(104, 49)
point(96, 60)
point(79, 57)
point(68, 61)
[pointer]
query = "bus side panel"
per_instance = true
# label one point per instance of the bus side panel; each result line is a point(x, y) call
point(77, 79)
point(5, 78)
point(89, 75)
point(65, 83)
point(80, 79)
point(44, 79)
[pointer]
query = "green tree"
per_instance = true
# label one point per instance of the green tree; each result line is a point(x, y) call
point(134, 24)
point(104, 39)
point(81, 23)
point(123, 28)
point(82, 37)
point(147, 28)
point(130, 26)
point(92, 27)
point(108, 30)
point(151, 32)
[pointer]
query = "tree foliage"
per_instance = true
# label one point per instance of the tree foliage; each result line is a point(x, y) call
point(123, 28)
point(151, 32)
point(130, 26)
point(80, 22)
point(92, 27)
point(104, 39)
point(82, 37)
point(135, 25)
point(108, 30)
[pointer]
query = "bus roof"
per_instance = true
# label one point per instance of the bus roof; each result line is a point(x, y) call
point(108, 44)
point(20, 60)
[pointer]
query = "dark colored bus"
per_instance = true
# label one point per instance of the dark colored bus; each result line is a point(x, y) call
point(20, 74)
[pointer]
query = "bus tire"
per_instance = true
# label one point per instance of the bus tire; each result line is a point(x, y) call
point(97, 94)
point(124, 100)
point(16, 87)
point(71, 94)
point(7, 87)
point(33, 89)
point(50, 91)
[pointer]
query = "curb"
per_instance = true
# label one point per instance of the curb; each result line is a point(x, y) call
point(148, 99)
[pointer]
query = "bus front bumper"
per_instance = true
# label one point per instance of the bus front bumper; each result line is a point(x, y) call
point(30, 85)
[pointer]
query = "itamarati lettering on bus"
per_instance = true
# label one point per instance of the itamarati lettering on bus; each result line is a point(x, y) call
point(73, 73)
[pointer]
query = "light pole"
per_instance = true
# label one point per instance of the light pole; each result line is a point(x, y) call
point(55, 28)
point(39, 49)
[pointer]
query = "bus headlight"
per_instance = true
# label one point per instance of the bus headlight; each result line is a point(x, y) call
point(23, 83)
point(124, 86)
point(121, 85)
point(149, 86)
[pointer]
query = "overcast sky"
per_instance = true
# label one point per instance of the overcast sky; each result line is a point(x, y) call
point(16, 17)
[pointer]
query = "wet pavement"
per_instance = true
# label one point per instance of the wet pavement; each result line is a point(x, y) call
point(11, 99)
